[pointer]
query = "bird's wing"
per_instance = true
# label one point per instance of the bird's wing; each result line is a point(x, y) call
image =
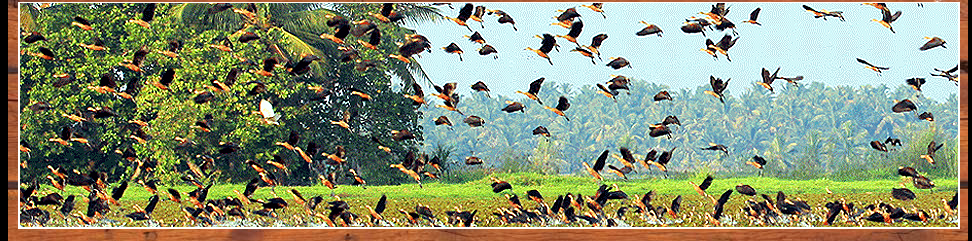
point(148, 12)
point(766, 77)
point(895, 16)
point(465, 12)
point(535, 86)
point(599, 164)
point(386, 9)
point(562, 104)
point(266, 109)
point(575, 29)
point(952, 70)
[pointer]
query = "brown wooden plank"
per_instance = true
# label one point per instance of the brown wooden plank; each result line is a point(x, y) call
point(481, 234)
point(12, 140)
point(12, 36)
point(13, 87)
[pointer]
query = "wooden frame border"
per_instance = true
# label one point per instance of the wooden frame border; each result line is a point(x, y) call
point(466, 234)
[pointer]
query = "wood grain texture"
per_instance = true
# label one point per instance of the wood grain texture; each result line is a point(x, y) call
point(12, 86)
point(12, 37)
point(12, 142)
point(467, 234)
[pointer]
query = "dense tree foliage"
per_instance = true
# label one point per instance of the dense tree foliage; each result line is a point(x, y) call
point(307, 102)
point(810, 131)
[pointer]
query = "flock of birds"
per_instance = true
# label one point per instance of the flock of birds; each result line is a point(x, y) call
point(566, 209)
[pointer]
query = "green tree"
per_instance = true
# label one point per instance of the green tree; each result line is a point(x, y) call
point(170, 113)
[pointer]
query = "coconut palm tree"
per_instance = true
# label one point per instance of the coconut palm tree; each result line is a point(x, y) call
point(295, 29)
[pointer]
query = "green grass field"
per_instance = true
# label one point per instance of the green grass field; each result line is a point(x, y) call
point(477, 195)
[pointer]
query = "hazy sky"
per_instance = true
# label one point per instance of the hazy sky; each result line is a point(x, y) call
point(821, 50)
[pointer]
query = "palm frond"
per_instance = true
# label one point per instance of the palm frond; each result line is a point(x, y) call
point(195, 15)
point(276, 9)
point(294, 46)
point(416, 69)
point(418, 13)
point(310, 21)
point(28, 14)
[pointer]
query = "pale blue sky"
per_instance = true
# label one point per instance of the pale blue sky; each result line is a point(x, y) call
point(822, 51)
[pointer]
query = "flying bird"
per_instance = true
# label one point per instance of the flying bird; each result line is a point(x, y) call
point(503, 18)
point(387, 13)
point(540, 130)
point(870, 66)
point(596, 42)
point(568, 15)
point(499, 185)
point(877, 145)
point(476, 38)
point(926, 116)
point(443, 120)
point(453, 48)
point(534, 90)
point(82, 23)
point(575, 30)
point(717, 147)
point(546, 45)
point(768, 79)
point(342, 27)
point(887, 18)
point(34, 37)
point(607, 92)
point(513, 107)
point(474, 121)
point(562, 105)
point(746, 190)
point(904, 106)
point(930, 152)
point(148, 13)
point(598, 166)
point(752, 17)
point(269, 116)
point(618, 63)
point(723, 45)
point(947, 74)
point(718, 87)
point(649, 30)
point(487, 50)
point(915, 83)
point(662, 95)
point(586, 52)
point(932, 43)
point(464, 13)
point(596, 7)
point(824, 13)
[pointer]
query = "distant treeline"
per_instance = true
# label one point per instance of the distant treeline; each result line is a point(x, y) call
point(810, 131)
